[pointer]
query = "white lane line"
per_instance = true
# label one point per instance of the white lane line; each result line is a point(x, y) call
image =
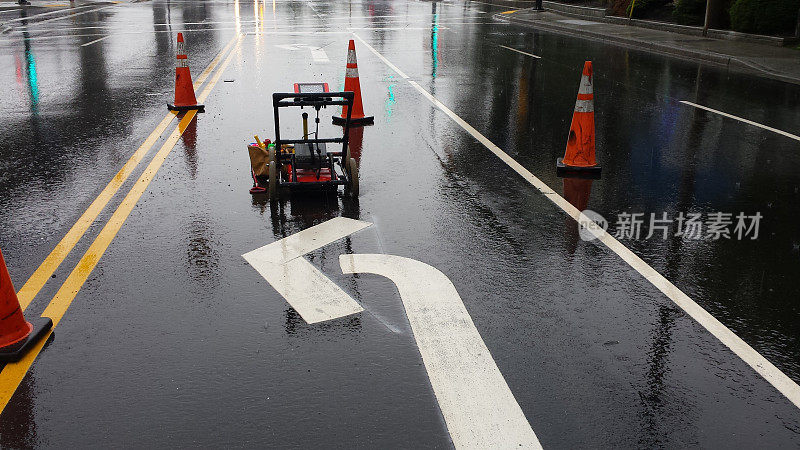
point(395, 28)
point(49, 13)
point(281, 29)
point(310, 28)
point(313, 295)
point(382, 58)
point(70, 29)
point(329, 18)
point(766, 369)
point(250, 33)
point(445, 22)
point(740, 119)
point(68, 16)
point(478, 407)
point(492, 4)
point(520, 51)
point(233, 22)
point(96, 40)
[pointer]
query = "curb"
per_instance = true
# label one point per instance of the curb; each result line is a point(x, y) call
point(728, 35)
point(575, 10)
point(717, 59)
point(600, 14)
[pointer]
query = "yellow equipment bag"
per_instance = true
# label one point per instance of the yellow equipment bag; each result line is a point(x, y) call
point(259, 160)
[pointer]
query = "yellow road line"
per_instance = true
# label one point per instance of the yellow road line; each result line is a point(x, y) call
point(45, 270)
point(13, 373)
point(213, 63)
point(510, 12)
point(36, 281)
point(202, 97)
point(63, 298)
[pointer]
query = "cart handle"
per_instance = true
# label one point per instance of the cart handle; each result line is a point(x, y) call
point(312, 99)
point(313, 95)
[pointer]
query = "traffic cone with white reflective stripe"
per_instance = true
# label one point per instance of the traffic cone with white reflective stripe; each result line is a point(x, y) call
point(351, 84)
point(579, 159)
point(16, 335)
point(184, 89)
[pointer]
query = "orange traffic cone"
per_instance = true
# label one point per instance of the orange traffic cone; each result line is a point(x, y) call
point(579, 159)
point(16, 335)
point(184, 90)
point(351, 84)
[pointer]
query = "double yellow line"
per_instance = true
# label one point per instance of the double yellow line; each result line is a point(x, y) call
point(13, 373)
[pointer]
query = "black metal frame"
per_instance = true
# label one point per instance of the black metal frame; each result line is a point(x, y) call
point(317, 101)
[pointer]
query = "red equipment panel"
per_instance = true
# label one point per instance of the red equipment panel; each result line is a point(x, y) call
point(310, 175)
point(310, 88)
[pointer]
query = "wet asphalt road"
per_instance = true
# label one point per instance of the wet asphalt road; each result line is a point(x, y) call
point(175, 341)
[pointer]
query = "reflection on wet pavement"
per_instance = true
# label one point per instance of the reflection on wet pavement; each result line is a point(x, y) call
point(594, 354)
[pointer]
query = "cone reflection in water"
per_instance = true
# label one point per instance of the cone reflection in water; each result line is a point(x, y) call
point(189, 138)
point(355, 142)
point(576, 192)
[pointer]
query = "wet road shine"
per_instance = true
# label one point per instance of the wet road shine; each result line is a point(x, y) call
point(137, 255)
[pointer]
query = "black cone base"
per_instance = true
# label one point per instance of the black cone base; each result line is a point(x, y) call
point(15, 352)
point(369, 120)
point(563, 170)
point(199, 108)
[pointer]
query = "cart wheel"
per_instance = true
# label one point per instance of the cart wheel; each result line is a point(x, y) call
point(271, 155)
point(273, 181)
point(348, 158)
point(353, 173)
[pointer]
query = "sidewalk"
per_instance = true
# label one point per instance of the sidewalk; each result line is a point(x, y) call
point(779, 63)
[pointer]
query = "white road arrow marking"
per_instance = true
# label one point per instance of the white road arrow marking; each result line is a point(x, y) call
point(313, 295)
point(290, 46)
point(477, 405)
point(317, 53)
